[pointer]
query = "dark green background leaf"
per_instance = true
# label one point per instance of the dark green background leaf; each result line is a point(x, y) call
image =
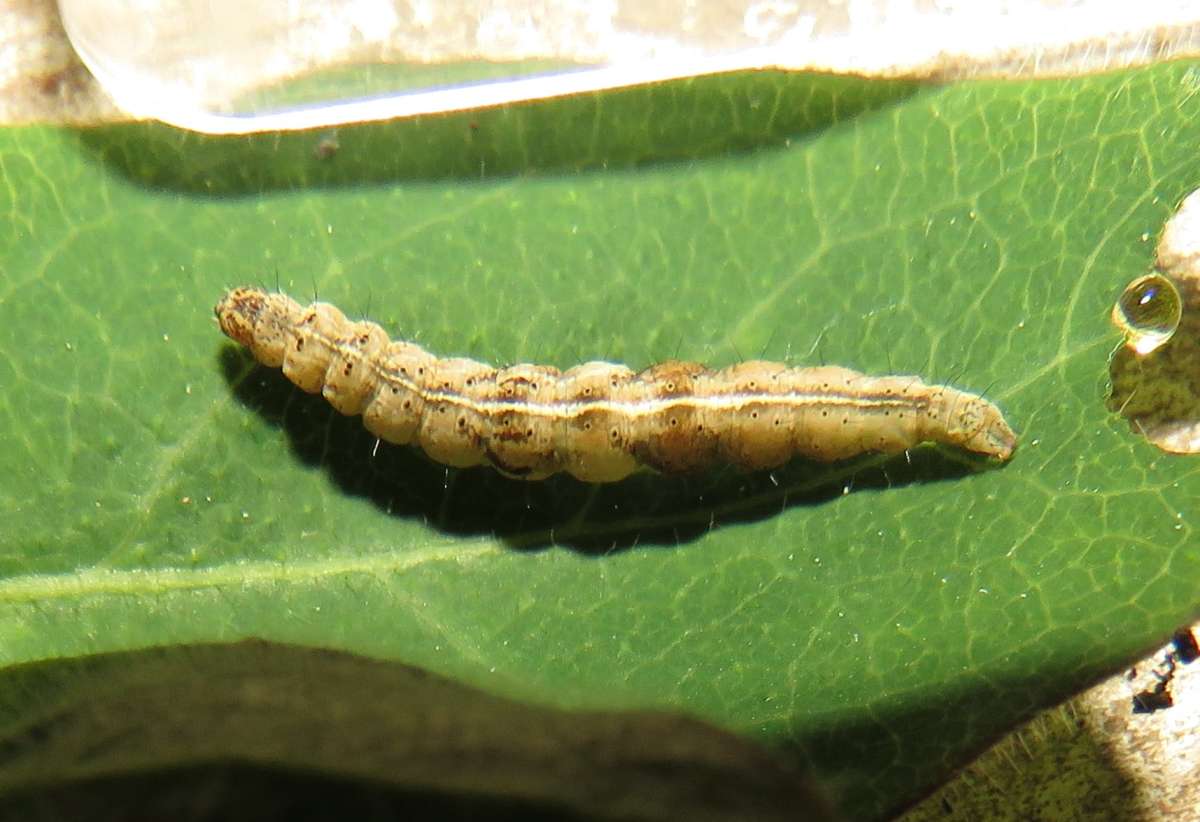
point(160, 490)
point(372, 737)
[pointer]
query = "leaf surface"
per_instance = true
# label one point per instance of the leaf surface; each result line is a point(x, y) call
point(883, 618)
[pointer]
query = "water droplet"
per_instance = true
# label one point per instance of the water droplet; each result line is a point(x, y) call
point(1148, 312)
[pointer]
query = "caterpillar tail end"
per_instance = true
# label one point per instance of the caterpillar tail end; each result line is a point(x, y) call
point(993, 437)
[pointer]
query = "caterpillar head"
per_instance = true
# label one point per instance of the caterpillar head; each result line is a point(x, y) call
point(259, 320)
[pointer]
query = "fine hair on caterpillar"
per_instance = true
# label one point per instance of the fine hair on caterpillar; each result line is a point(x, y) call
point(601, 421)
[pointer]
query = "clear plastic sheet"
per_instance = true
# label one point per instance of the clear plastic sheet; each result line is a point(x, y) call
point(241, 66)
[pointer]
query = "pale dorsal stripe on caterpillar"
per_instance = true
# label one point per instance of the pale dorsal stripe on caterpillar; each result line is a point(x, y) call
point(600, 421)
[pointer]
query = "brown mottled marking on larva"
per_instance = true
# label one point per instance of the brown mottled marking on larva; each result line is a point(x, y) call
point(600, 421)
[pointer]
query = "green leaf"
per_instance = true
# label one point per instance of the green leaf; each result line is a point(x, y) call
point(882, 619)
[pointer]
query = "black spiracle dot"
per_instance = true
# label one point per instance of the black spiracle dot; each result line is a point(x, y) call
point(421, 371)
point(587, 392)
point(407, 405)
point(299, 343)
point(614, 434)
point(348, 370)
point(670, 387)
point(587, 426)
point(778, 422)
point(395, 390)
point(470, 382)
point(753, 415)
point(674, 421)
point(529, 433)
point(752, 385)
point(845, 420)
point(824, 413)
point(533, 386)
point(462, 423)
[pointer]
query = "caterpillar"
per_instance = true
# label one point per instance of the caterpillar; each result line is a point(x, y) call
point(601, 421)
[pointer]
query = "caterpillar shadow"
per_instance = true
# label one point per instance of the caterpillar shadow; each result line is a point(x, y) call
point(593, 519)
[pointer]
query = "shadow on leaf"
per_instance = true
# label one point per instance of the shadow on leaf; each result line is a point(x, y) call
point(644, 509)
point(673, 122)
